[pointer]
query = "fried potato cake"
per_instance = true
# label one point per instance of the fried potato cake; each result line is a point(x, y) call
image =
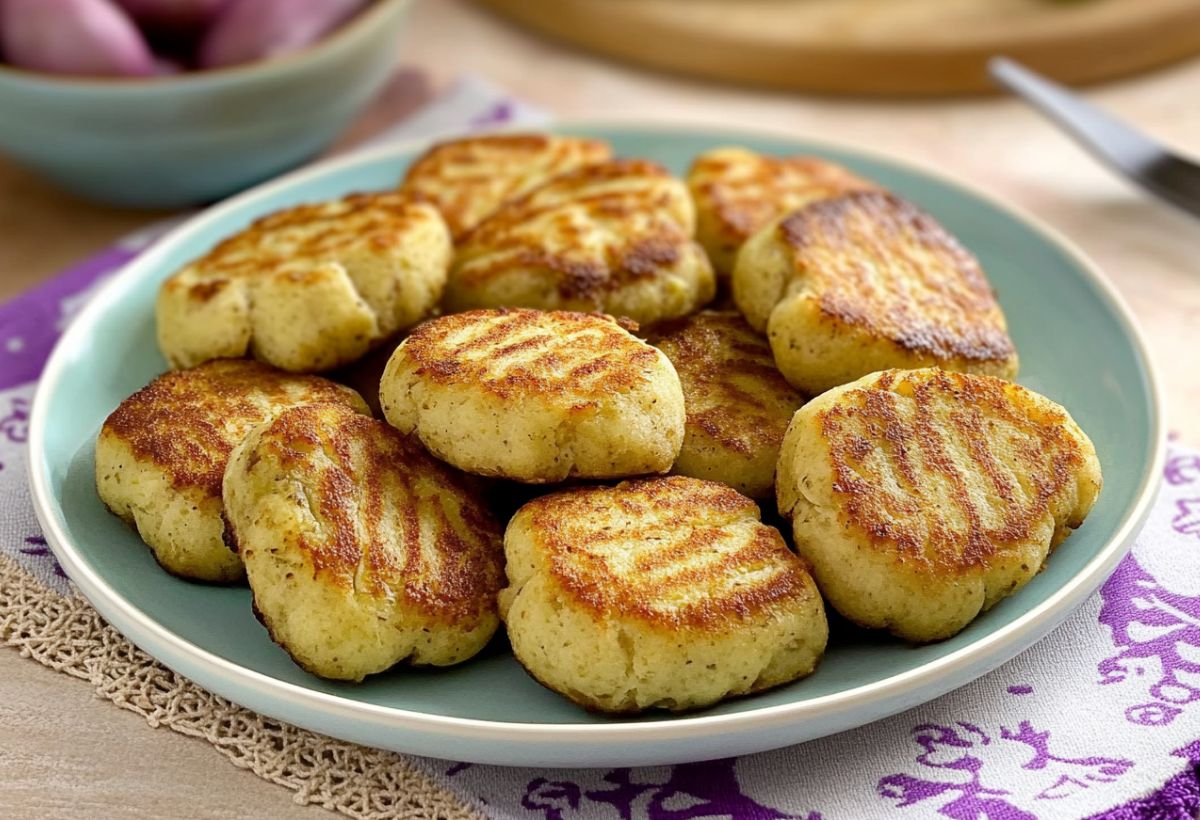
point(864, 282)
point(924, 497)
point(161, 454)
point(536, 396)
point(657, 593)
point(309, 288)
point(738, 404)
point(361, 550)
point(614, 237)
point(738, 191)
point(468, 179)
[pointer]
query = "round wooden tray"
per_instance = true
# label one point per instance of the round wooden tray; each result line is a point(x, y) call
point(875, 47)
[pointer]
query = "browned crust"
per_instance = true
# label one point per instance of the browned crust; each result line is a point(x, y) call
point(613, 169)
point(867, 251)
point(518, 352)
point(186, 422)
point(570, 187)
point(642, 253)
point(462, 179)
point(466, 150)
point(746, 191)
point(866, 421)
point(371, 499)
point(686, 517)
point(734, 393)
point(307, 236)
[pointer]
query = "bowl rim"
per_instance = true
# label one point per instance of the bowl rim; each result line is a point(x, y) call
point(350, 30)
point(901, 690)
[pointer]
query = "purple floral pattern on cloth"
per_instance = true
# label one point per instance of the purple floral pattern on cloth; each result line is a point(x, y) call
point(1157, 633)
point(690, 790)
point(1155, 621)
point(15, 426)
point(37, 548)
point(1187, 517)
point(1181, 469)
point(954, 758)
point(1178, 799)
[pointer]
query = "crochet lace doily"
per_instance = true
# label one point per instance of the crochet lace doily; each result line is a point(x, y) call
point(67, 635)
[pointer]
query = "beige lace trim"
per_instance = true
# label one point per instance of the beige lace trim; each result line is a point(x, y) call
point(67, 635)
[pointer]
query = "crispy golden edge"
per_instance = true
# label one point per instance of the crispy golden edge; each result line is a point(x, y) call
point(371, 463)
point(1050, 461)
point(531, 352)
point(187, 422)
point(830, 241)
point(692, 514)
point(716, 355)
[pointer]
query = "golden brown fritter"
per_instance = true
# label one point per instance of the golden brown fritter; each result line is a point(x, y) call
point(467, 179)
point(361, 550)
point(161, 454)
point(924, 497)
point(737, 192)
point(614, 237)
point(738, 403)
point(657, 593)
point(536, 396)
point(863, 282)
point(308, 288)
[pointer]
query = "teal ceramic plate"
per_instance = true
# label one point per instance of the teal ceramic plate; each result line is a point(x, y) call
point(1077, 342)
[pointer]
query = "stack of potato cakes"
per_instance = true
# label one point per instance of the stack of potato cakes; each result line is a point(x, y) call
point(591, 374)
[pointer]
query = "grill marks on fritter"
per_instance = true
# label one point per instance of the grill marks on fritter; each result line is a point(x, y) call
point(673, 552)
point(296, 241)
point(530, 352)
point(468, 179)
point(389, 516)
point(734, 392)
point(914, 492)
point(876, 261)
point(187, 422)
point(599, 228)
point(747, 190)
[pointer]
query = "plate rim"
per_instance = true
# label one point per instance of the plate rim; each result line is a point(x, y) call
point(984, 654)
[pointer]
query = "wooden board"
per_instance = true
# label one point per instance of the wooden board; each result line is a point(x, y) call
point(873, 47)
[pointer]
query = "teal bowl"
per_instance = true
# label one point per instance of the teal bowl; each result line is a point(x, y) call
point(197, 137)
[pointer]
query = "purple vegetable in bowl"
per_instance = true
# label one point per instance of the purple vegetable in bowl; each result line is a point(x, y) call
point(79, 37)
point(249, 30)
point(175, 15)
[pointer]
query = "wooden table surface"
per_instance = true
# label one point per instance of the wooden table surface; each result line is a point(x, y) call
point(65, 753)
